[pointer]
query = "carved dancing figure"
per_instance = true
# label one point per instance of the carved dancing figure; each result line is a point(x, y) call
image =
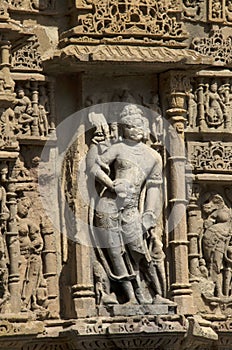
point(128, 170)
point(31, 245)
point(216, 239)
point(214, 106)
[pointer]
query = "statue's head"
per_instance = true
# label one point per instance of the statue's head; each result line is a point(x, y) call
point(24, 204)
point(214, 202)
point(134, 125)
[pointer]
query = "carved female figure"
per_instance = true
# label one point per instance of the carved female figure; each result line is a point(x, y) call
point(214, 106)
point(31, 245)
point(216, 237)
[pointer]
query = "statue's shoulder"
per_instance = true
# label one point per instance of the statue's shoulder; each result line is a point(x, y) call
point(152, 152)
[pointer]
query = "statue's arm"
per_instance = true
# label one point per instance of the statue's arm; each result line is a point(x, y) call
point(153, 200)
point(98, 165)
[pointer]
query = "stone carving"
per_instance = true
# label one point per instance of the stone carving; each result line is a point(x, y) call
point(128, 236)
point(216, 244)
point(193, 9)
point(31, 5)
point(131, 18)
point(216, 45)
point(132, 53)
point(23, 112)
point(220, 11)
point(4, 216)
point(209, 104)
point(32, 284)
point(27, 57)
point(211, 156)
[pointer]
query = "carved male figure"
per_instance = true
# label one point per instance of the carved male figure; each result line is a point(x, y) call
point(128, 170)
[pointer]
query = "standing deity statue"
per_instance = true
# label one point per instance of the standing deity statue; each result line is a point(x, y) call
point(127, 175)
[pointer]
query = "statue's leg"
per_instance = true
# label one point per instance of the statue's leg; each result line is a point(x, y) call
point(108, 230)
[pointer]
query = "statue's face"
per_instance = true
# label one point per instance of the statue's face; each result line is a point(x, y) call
point(21, 93)
point(23, 208)
point(134, 130)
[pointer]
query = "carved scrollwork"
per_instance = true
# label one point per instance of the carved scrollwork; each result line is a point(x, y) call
point(152, 19)
point(211, 156)
point(27, 57)
point(216, 45)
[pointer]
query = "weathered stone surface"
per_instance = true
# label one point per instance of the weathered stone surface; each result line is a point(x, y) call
point(115, 174)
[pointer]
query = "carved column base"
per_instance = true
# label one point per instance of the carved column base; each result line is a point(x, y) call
point(84, 301)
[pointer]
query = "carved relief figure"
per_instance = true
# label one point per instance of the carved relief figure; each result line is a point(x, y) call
point(31, 245)
point(129, 170)
point(4, 215)
point(216, 240)
point(23, 111)
point(43, 111)
point(214, 106)
point(192, 108)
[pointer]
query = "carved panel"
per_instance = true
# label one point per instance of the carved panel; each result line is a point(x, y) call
point(211, 156)
point(220, 11)
point(132, 19)
point(194, 10)
point(32, 5)
point(209, 105)
point(216, 45)
point(27, 57)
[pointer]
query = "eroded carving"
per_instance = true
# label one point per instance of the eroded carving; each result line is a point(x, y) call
point(130, 242)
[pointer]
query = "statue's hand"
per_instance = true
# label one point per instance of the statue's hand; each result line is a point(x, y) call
point(148, 220)
point(122, 187)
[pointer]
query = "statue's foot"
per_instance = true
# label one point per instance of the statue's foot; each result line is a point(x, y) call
point(158, 299)
point(109, 299)
point(140, 297)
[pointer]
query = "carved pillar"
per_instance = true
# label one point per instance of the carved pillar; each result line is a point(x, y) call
point(50, 268)
point(51, 92)
point(35, 114)
point(201, 107)
point(180, 286)
point(193, 235)
point(83, 291)
point(5, 65)
point(14, 249)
